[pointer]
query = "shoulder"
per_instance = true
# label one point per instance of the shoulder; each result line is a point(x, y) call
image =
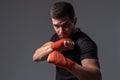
point(86, 43)
point(80, 36)
point(84, 39)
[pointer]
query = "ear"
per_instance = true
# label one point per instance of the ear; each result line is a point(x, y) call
point(75, 20)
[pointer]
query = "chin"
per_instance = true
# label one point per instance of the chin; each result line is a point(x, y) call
point(63, 36)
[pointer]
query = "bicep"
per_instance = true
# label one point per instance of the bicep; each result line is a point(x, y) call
point(92, 66)
point(90, 63)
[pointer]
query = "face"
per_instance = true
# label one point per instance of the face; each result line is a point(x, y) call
point(63, 27)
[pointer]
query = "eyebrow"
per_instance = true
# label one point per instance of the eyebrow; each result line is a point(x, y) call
point(61, 23)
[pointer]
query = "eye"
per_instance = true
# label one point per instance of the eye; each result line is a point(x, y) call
point(56, 26)
point(66, 24)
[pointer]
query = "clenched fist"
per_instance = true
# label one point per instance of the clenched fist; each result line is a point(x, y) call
point(58, 59)
point(63, 44)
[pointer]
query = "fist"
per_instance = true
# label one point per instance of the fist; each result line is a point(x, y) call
point(63, 44)
point(58, 59)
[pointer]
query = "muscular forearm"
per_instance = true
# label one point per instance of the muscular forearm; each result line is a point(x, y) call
point(42, 52)
point(88, 71)
point(83, 73)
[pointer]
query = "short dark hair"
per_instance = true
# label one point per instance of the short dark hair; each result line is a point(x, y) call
point(62, 9)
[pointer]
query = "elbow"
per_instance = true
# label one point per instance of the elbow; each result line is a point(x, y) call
point(35, 59)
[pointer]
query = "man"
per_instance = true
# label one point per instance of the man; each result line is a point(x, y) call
point(71, 50)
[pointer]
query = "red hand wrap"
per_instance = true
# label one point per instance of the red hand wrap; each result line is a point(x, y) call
point(59, 44)
point(58, 59)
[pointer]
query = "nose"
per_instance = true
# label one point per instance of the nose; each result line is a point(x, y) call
point(61, 30)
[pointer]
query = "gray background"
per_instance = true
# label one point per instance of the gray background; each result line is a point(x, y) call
point(26, 24)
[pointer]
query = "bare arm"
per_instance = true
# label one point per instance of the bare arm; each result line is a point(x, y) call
point(89, 70)
point(42, 52)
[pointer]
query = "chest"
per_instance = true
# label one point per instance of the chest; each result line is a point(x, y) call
point(74, 54)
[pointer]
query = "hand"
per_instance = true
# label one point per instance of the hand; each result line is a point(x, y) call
point(69, 44)
point(63, 44)
point(58, 59)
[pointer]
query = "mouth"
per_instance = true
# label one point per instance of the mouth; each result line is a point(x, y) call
point(63, 36)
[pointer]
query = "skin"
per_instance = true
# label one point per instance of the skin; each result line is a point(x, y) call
point(90, 69)
point(64, 27)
